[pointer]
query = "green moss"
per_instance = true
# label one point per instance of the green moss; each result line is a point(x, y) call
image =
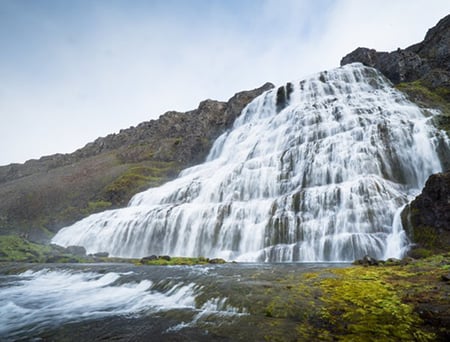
point(367, 307)
point(94, 206)
point(426, 236)
point(16, 248)
point(168, 261)
point(428, 97)
point(360, 303)
point(420, 253)
point(137, 178)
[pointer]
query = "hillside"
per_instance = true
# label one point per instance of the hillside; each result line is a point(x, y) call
point(41, 196)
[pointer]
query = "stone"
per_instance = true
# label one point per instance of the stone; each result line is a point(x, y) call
point(445, 277)
point(76, 250)
point(427, 218)
point(149, 258)
point(428, 60)
point(101, 255)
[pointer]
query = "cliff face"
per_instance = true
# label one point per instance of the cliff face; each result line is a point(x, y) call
point(428, 60)
point(422, 71)
point(427, 218)
point(41, 196)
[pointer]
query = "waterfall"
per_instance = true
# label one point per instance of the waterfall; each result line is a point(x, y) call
point(315, 170)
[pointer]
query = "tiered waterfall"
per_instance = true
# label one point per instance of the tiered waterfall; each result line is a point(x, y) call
point(315, 170)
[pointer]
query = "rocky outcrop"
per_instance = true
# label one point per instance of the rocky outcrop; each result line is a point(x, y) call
point(427, 218)
point(428, 60)
point(41, 196)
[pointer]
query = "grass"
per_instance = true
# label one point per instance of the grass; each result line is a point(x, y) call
point(137, 178)
point(427, 97)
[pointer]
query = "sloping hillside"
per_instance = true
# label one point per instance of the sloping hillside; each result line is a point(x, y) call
point(41, 196)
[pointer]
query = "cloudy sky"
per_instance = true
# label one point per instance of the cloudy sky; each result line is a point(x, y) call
point(71, 71)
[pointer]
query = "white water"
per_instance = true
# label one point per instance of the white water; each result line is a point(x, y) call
point(34, 301)
point(318, 178)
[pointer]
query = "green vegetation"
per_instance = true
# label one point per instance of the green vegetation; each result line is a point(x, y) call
point(378, 303)
point(137, 178)
point(428, 97)
point(15, 248)
point(168, 261)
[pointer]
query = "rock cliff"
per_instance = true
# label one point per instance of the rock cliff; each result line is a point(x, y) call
point(41, 196)
point(428, 60)
point(427, 218)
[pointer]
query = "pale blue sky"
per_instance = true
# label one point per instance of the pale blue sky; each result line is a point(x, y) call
point(71, 71)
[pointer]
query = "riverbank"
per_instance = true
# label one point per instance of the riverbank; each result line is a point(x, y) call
point(15, 248)
point(399, 300)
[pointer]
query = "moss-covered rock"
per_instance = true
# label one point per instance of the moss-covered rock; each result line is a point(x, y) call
point(14, 248)
point(427, 218)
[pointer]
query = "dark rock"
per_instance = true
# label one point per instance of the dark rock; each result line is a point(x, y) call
point(367, 261)
point(101, 255)
point(76, 250)
point(427, 218)
point(428, 60)
point(406, 261)
point(165, 257)
point(149, 258)
point(216, 261)
point(61, 259)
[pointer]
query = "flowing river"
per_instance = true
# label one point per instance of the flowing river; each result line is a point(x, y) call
point(98, 302)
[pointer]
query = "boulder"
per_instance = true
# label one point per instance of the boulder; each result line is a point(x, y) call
point(216, 261)
point(149, 258)
point(101, 255)
point(76, 250)
point(427, 218)
point(367, 261)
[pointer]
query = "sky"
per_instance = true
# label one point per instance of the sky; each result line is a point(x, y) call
point(72, 71)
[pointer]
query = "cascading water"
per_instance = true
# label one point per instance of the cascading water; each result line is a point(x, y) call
point(313, 171)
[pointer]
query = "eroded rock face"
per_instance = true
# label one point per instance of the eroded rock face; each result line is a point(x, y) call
point(427, 218)
point(428, 60)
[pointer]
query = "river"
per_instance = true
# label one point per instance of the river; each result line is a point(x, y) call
point(123, 302)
